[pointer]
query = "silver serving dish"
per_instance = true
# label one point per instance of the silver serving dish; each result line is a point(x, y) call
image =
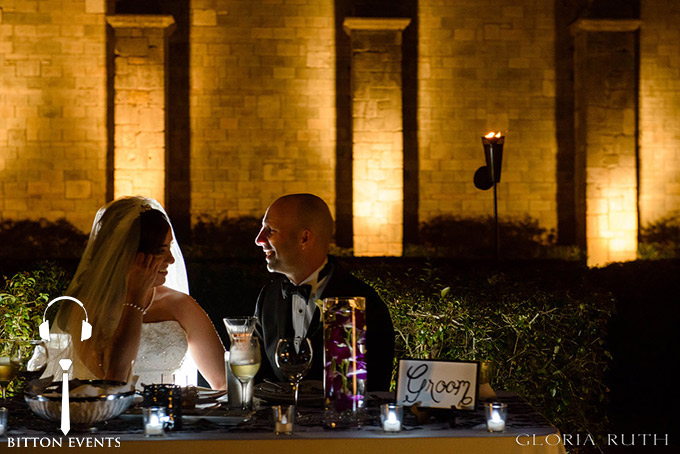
point(84, 411)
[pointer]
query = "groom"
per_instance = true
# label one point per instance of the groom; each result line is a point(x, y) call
point(295, 236)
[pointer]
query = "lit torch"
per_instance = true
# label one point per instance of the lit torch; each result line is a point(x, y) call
point(487, 176)
point(493, 152)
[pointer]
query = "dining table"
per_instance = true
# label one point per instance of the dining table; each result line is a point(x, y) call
point(216, 428)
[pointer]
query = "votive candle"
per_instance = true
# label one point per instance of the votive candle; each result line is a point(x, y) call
point(391, 415)
point(3, 420)
point(154, 419)
point(495, 416)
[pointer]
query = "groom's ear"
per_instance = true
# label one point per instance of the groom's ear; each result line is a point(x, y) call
point(305, 237)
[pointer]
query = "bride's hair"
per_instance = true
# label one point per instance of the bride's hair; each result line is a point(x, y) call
point(153, 227)
point(121, 228)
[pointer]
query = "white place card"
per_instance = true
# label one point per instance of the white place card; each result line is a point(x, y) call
point(437, 384)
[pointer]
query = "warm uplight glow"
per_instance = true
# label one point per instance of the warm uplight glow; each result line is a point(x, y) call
point(378, 202)
point(139, 107)
point(493, 135)
point(377, 134)
point(612, 221)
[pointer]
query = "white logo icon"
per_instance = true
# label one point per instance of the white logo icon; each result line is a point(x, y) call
point(65, 364)
point(65, 411)
point(86, 328)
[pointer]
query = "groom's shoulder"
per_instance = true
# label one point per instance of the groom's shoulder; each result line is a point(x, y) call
point(273, 283)
point(350, 283)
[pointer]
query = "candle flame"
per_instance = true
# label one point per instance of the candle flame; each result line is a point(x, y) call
point(492, 134)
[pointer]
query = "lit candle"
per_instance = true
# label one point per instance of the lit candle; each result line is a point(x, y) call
point(283, 419)
point(392, 424)
point(390, 415)
point(496, 423)
point(3, 421)
point(495, 416)
point(154, 426)
point(154, 419)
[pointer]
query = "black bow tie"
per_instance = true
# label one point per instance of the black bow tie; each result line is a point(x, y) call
point(290, 289)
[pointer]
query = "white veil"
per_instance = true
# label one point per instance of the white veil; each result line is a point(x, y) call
point(100, 281)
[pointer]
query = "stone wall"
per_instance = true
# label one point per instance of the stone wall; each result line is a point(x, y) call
point(487, 65)
point(605, 86)
point(139, 97)
point(52, 110)
point(262, 103)
point(659, 108)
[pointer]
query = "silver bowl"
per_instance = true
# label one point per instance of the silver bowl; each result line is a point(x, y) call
point(84, 411)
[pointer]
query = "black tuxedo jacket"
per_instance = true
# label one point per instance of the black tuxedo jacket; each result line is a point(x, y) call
point(275, 321)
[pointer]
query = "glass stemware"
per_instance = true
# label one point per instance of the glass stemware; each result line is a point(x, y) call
point(240, 327)
point(25, 359)
point(32, 359)
point(244, 361)
point(294, 359)
point(9, 363)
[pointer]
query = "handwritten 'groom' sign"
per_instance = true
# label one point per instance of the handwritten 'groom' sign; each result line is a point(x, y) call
point(437, 384)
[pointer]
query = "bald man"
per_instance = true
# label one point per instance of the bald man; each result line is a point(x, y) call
point(296, 233)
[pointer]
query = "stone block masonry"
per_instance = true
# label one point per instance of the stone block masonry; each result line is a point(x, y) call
point(262, 104)
point(140, 98)
point(487, 66)
point(606, 166)
point(53, 98)
point(377, 149)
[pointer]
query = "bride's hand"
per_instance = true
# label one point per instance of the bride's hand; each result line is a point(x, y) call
point(141, 278)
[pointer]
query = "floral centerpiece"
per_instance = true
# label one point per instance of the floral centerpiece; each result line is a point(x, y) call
point(344, 328)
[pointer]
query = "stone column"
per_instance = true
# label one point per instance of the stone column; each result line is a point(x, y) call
point(377, 134)
point(139, 103)
point(606, 182)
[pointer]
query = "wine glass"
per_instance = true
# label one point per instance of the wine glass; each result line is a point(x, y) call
point(9, 363)
point(294, 359)
point(240, 327)
point(244, 361)
point(32, 359)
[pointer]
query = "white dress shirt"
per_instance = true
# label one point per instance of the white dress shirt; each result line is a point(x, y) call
point(303, 310)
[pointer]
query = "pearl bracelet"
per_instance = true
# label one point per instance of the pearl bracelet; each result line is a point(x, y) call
point(141, 309)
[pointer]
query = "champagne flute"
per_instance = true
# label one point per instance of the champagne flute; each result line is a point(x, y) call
point(9, 363)
point(294, 359)
point(244, 361)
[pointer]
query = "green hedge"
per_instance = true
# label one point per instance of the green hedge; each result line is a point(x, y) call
point(543, 328)
point(545, 341)
point(24, 297)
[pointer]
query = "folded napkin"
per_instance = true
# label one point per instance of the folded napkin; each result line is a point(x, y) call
point(81, 388)
point(196, 395)
point(88, 390)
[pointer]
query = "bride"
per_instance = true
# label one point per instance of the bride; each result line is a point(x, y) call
point(132, 282)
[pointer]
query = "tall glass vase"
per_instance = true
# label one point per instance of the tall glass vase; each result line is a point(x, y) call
point(344, 331)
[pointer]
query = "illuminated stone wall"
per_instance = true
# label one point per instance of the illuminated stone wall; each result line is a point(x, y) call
point(659, 111)
point(52, 110)
point(261, 108)
point(139, 98)
point(606, 168)
point(487, 66)
point(377, 135)
point(262, 103)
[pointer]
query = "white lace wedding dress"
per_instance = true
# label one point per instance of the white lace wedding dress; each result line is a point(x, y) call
point(163, 355)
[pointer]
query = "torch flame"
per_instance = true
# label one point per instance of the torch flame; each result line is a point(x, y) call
point(492, 134)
